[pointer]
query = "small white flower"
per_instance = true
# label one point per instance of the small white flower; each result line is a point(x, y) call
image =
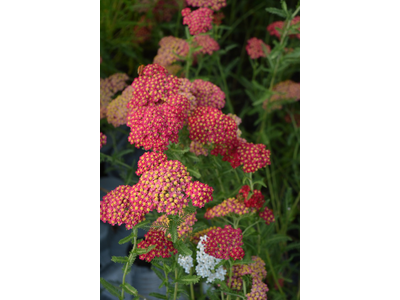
point(186, 262)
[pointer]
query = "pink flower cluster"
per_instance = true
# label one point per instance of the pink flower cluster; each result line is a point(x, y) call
point(156, 111)
point(103, 139)
point(231, 205)
point(199, 21)
point(198, 148)
point(256, 200)
point(170, 48)
point(163, 246)
point(224, 243)
point(108, 87)
point(267, 215)
point(207, 42)
point(117, 110)
point(208, 94)
point(200, 193)
point(276, 28)
point(285, 90)
point(149, 161)
point(184, 228)
point(116, 208)
point(255, 49)
point(213, 4)
point(257, 272)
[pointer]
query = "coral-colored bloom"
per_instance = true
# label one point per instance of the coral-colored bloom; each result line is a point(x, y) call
point(200, 193)
point(213, 4)
point(275, 28)
point(208, 94)
point(117, 110)
point(285, 90)
point(255, 49)
point(170, 48)
point(187, 89)
point(267, 215)
point(231, 205)
point(103, 139)
point(224, 243)
point(108, 87)
point(163, 246)
point(198, 148)
point(199, 21)
point(116, 208)
point(207, 42)
point(149, 161)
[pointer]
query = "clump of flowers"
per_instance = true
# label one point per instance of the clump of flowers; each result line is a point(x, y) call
point(231, 205)
point(163, 245)
point(276, 28)
point(195, 238)
point(206, 263)
point(108, 88)
point(198, 148)
point(184, 228)
point(208, 94)
point(185, 262)
point(256, 200)
point(149, 161)
point(116, 208)
point(170, 50)
point(267, 215)
point(187, 89)
point(200, 193)
point(208, 44)
point(199, 21)
point(285, 90)
point(117, 110)
point(255, 49)
point(213, 4)
point(224, 243)
point(217, 18)
point(103, 139)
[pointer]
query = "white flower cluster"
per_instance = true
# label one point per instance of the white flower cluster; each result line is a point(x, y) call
point(207, 263)
point(185, 262)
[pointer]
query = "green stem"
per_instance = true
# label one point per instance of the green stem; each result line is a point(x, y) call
point(222, 295)
point(228, 99)
point(273, 274)
point(259, 239)
point(176, 278)
point(250, 226)
point(274, 206)
point(191, 286)
point(166, 279)
point(230, 276)
point(127, 264)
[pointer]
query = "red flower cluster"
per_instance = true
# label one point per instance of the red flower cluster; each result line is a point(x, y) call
point(103, 139)
point(116, 208)
point(276, 28)
point(170, 48)
point(256, 200)
point(200, 193)
point(199, 21)
point(231, 205)
point(195, 238)
point(149, 161)
point(163, 246)
point(255, 49)
point(267, 215)
point(225, 243)
point(207, 42)
point(213, 4)
point(156, 111)
point(208, 94)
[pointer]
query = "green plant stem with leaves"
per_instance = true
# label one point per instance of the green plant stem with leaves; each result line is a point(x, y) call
point(130, 258)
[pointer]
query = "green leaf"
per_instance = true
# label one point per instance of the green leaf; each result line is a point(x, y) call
point(127, 239)
point(158, 273)
point(119, 259)
point(260, 182)
point(277, 238)
point(110, 287)
point(276, 11)
point(188, 279)
point(194, 172)
point(129, 289)
point(142, 224)
point(183, 249)
point(159, 296)
point(174, 232)
point(140, 251)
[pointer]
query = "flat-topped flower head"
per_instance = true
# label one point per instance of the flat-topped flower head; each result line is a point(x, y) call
point(208, 44)
point(208, 125)
point(149, 161)
point(170, 50)
point(285, 90)
point(224, 243)
point(267, 215)
point(108, 87)
point(228, 206)
point(116, 208)
point(117, 110)
point(199, 21)
point(276, 28)
point(163, 246)
point(187, 89)
point(255, 49)
point(200, 193)
point(256, 200)
point(213, 4)
point(103, 139)
point(208, 94)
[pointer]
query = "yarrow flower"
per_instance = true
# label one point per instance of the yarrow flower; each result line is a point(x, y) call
point(103, 139)
point(230, 205)
point(255, 49)
point(224, 243)
point(217, 18)
point(184, 228)
point(116, 208)
point(170, 48)
point(267, 215)
point(285, 90)
point(108, 87)
point(163, 246)
point(185, 262)
point(208, 94)
point(256, 200)
point(207, 42)
point(199, 21)
point(213, 4)
point(117, 110)
point(187, 89)
point(206, 263)
point(200, 193)
point(276, 28)
point(195, 238)
point(198, 148)
point(149, 161)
